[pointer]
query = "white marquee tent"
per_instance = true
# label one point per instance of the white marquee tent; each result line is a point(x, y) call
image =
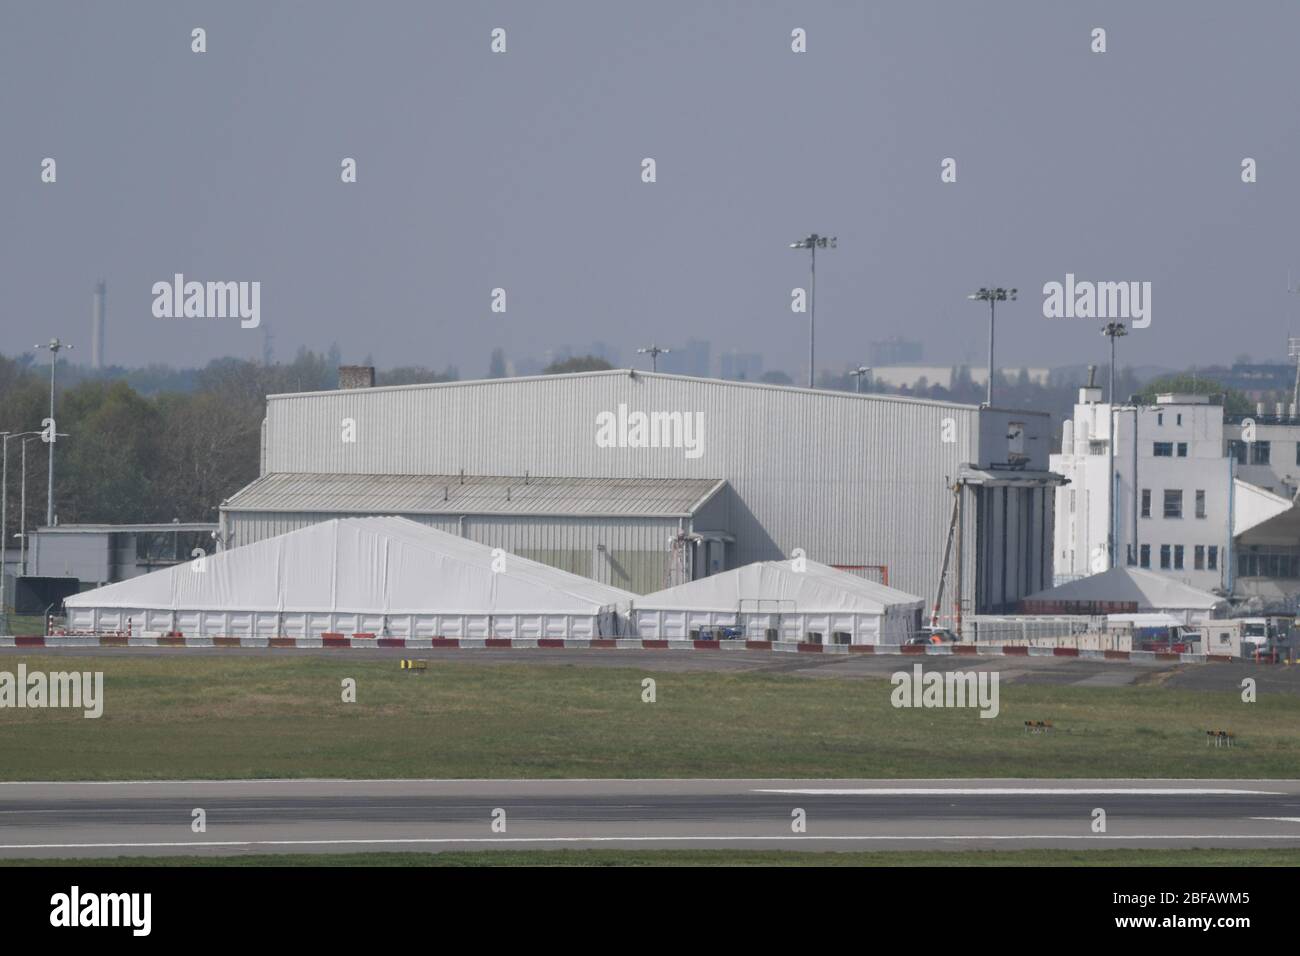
point(770, 600)
point(1149, 591)
point(385, 576)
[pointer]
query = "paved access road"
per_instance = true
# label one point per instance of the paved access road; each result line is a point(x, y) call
point(294, 816)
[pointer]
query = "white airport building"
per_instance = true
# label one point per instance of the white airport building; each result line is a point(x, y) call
point(1204, 500)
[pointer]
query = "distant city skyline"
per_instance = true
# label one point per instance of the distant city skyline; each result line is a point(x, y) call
point(522, 173)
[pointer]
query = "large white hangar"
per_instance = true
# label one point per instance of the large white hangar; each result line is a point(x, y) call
point(384, 576)
point(736, 473)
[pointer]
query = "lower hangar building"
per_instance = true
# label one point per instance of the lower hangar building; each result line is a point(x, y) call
point(645, 480)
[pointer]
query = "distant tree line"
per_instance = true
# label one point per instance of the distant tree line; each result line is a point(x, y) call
point(152, 444)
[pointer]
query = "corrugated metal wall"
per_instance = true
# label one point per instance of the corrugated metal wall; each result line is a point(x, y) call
point(850, 479)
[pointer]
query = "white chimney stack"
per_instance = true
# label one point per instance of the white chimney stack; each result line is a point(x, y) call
point(97, 325)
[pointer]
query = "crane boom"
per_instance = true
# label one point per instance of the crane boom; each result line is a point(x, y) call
point(947, 556)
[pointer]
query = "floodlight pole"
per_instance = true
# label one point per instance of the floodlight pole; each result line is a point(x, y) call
point(812, 315)
point(1293, 350)
point(54, 346)
point(857, 374)
point(654, 352)
point(22, 513)
point(1113, 331)
point(988, 385)
point(811, 242)
point(992, 297)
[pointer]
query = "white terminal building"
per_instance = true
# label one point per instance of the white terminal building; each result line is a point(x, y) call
point(1199, 498)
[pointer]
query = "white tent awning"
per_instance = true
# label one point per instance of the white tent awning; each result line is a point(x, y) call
point(379, 565)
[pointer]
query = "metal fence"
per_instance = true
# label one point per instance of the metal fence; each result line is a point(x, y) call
point(1029, 629)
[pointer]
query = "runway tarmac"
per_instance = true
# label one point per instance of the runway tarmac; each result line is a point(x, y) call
point(59, 820)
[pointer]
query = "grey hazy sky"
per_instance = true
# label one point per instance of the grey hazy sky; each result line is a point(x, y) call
point(523, 171)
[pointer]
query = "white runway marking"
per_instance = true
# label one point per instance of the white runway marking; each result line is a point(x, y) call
point(1097, 837)
point(1023, 791)
point(1279, 819)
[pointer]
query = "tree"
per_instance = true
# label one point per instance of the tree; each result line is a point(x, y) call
point(110, 460)
point(579, 363)
point(775, 377)
point(1234, 402)
point(415, 375)
point(211, 450)
point(497, 364)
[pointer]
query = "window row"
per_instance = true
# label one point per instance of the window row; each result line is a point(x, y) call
point(1173, 503)
point(1173, 556)
point(1278, 564)
point(1256, 452)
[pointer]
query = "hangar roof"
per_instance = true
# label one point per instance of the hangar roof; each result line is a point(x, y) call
point(825, 393)
point(477, 495)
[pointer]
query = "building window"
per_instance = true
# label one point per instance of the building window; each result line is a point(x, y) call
point(1259, 453)
point(1173, 503)
point(1163, 449)
point(1146, 556)
point(1180, 418)
point(1182, 449)
point(1297, 453)
point(1164, 557)
point(1213, 558)
point(1198, 557)
point(1269, 562)
point(1071, 501)
point(1016, 438)
point(1178, 557)
point(1160, 418)
point(1200, 503)
point(1146, 502)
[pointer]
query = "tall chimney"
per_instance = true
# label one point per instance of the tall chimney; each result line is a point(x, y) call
point(97, 325)
point(356, 376)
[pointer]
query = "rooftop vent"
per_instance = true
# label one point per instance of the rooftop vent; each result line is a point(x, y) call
point(356, 376)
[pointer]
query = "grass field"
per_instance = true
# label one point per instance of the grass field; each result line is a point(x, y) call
point(717, 858)
point(249, 717)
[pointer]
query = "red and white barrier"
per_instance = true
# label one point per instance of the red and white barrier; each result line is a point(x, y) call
point(343, 641)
